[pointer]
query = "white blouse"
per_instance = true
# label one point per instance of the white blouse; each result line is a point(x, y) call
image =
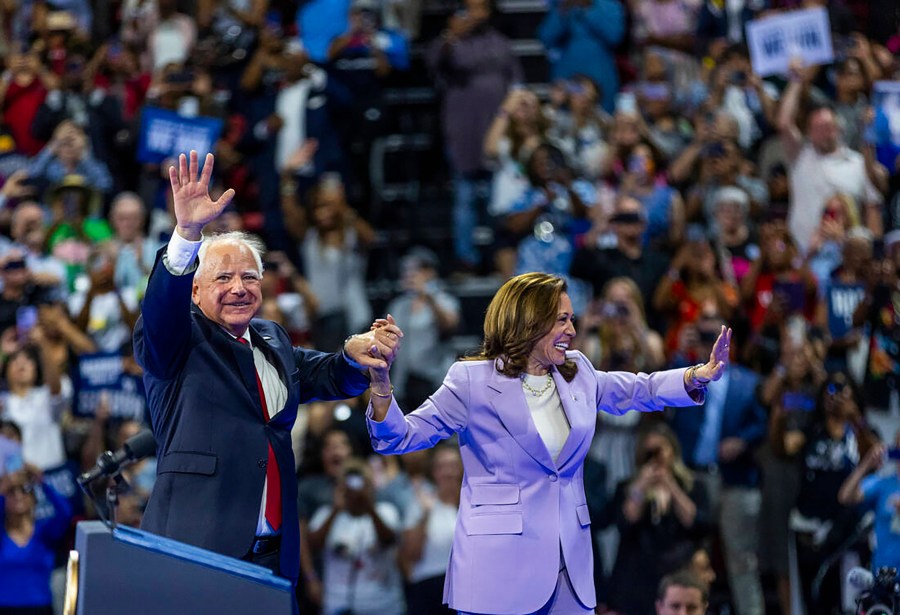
point(547, 412)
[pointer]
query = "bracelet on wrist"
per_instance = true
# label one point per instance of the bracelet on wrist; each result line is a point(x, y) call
point(696, 382)
point(383, 395)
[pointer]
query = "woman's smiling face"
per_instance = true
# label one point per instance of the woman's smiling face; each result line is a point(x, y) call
point(551, 349)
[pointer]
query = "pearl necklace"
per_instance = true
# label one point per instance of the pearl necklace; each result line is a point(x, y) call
point(534, 391)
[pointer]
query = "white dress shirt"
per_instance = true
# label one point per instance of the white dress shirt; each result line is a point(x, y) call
point(181, 258)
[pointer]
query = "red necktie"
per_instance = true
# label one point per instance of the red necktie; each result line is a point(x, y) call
point(273, 478)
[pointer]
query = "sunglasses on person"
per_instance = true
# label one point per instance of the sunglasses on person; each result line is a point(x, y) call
point(835, 388)
point(627, 218)
point(12, 265)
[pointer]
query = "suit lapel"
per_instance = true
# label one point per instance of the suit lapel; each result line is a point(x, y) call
point(508, 401)
point(270, 347)
point(244, 357)
point(579, 423)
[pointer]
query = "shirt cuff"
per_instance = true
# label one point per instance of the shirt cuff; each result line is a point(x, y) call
point(181, 254)
point(347, 358)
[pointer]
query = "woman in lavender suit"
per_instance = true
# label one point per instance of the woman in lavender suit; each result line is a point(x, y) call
point(525, 410)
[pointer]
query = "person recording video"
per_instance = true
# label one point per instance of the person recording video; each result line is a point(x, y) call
point(27, 544)
point(358, 539)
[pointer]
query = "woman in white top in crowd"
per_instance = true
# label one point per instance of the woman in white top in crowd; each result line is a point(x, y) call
point(35, 402)
point(358, 538)
point(425, 547)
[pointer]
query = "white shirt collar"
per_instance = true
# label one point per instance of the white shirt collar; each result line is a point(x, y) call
point(245, 336)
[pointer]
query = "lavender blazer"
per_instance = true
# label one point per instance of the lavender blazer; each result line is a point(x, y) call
point(518, 508)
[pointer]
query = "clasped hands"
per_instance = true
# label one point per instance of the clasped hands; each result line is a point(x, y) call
point(377, 348)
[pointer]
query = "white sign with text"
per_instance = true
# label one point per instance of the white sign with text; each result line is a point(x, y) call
point(775, 41)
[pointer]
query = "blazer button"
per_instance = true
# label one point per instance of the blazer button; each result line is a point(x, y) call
point(262, 463)
point(554, 478)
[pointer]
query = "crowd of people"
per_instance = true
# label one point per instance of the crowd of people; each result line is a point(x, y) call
point(673, 188)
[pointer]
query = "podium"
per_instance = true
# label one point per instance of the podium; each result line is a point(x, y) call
point(132, 572)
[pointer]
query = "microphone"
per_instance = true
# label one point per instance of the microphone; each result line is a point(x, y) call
point(860, 579)
point(136, 447)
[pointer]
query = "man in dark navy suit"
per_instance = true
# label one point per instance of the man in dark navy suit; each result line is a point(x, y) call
point(223, 388)
point(719, 443)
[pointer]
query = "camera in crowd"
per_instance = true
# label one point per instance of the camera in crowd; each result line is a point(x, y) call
point(651, 455)
point(354, 481)
point(879, 593)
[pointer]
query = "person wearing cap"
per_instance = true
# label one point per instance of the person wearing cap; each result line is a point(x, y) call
point(430, 314)
point(74, 227)
point(223, 387)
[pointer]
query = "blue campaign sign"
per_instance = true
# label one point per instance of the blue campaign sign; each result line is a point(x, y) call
point(102, 374)
point(62, 479)
point(884, 132)
point(165, 134)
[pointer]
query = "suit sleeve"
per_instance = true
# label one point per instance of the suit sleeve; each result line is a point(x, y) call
point(327, 376)
point(619, 392)
point(442, 415)
point(162, 335)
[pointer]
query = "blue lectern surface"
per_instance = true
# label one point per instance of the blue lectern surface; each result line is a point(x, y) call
point(133, 572)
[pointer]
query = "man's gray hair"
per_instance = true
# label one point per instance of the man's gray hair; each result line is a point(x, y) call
point(127, 195)
point(237, 238)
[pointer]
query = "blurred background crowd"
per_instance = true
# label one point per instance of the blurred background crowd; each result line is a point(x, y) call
point(407, 156)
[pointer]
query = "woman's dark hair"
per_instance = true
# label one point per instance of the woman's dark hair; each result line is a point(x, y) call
point(11, 426)
point(699, 245)
point(642, 456)
point(32, 353)
point(556, 157)
point(583, 78)
point(311, 461)
point(517, 139)
point(495, 15)
point(835, 383)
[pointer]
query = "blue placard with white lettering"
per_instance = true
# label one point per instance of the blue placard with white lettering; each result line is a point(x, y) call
point(775, 41)
point(62, 479)
point(884, 132)
point(843, 300)
point(165, 134)
point(103, 374)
